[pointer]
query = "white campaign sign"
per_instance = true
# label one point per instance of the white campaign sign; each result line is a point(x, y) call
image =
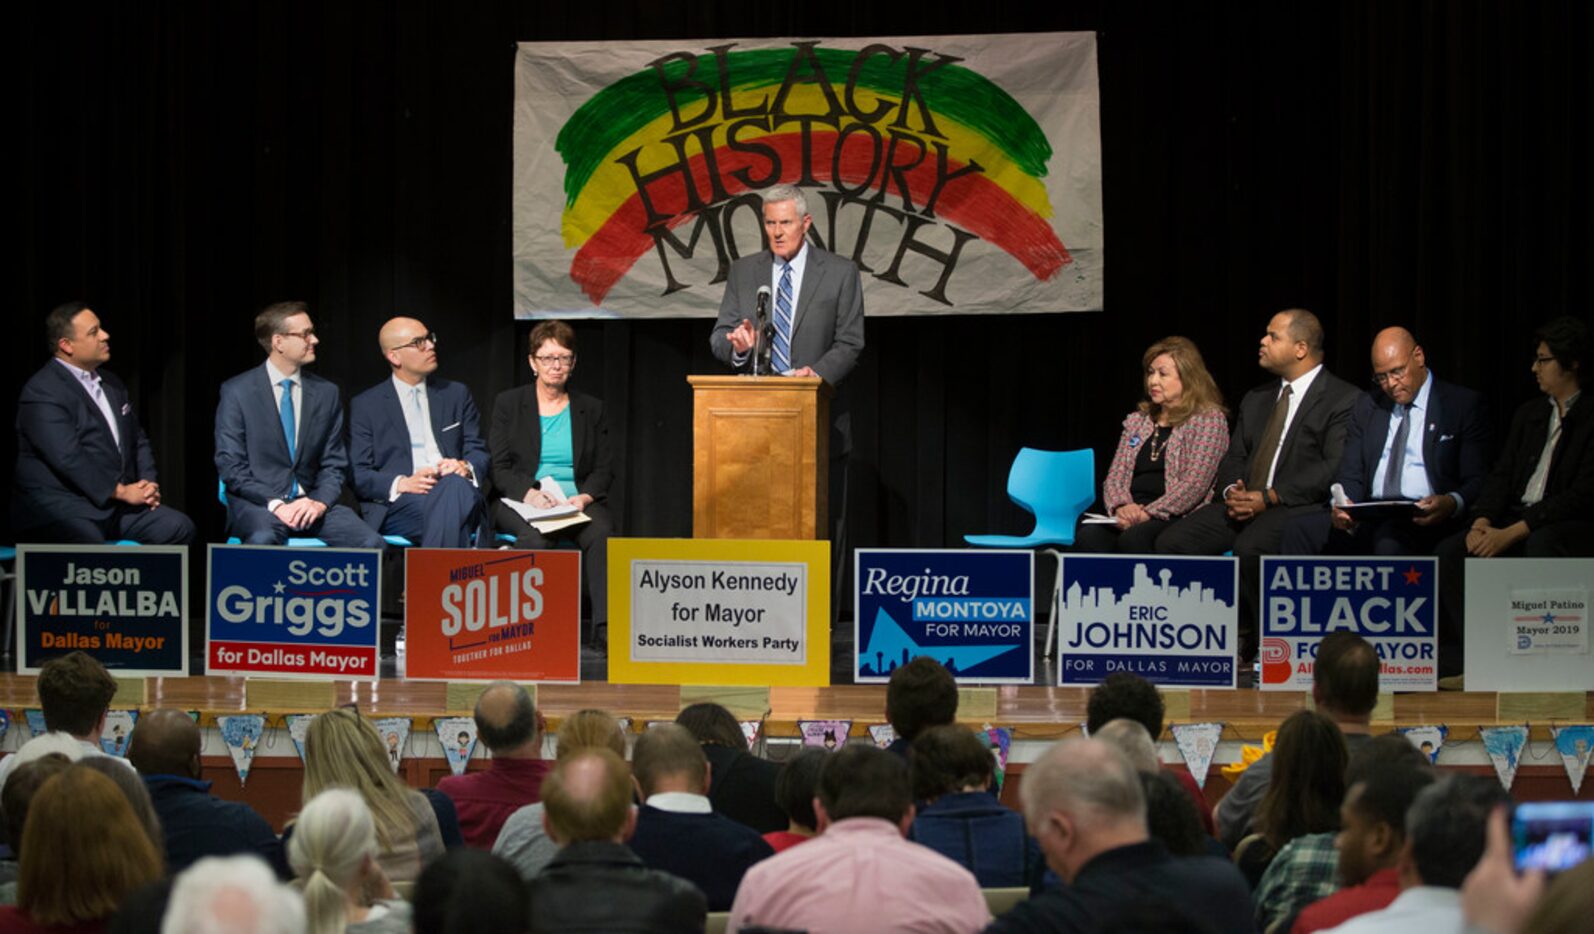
point(1546, 621)
point(719, 611)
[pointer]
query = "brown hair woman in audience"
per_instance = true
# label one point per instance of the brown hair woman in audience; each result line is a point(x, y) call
point(1167, 455)
point(342, 750)
point(1306, 790)
point(545, 430)
point(83, 851)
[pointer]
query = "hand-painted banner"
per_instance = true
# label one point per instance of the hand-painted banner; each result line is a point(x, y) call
point(127, 607)
point(962, 173)
point(492, 615)
point(1169, 620)
point(1392, 603)
point(971, 610)
point(293, 612)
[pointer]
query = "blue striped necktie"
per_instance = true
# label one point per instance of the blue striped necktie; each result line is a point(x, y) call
point(782, 353)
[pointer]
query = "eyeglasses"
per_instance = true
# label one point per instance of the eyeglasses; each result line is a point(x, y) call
point(556, 360)
point(1398, 375)
point(419, 343)
point(305, 335)
point(1543, 361)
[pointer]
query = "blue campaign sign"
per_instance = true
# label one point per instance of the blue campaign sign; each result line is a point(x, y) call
point(972, 610)
point(1391, 602)
point(1169, 620)
point(293, 612)
point(127, 607)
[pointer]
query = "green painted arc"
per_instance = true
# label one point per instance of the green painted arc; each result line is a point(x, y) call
point(627, 105)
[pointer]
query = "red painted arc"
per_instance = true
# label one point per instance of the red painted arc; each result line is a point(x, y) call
point(972, 202)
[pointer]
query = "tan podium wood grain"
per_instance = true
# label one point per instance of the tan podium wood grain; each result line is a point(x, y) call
point(760, 457)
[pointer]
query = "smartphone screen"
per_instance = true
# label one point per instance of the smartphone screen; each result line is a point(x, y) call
point(1552, 835)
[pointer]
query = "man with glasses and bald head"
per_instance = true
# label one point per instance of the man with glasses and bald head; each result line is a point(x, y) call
point(416, 446)
point(279, 442)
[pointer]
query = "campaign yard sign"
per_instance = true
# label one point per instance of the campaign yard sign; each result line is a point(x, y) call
point(127, 607)
point(1390, 602)
point(472, 615)
point(293, 612)
point(972, 610)
point(1169, 620)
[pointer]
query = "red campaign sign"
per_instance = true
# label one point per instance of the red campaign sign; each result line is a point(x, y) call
point(472, 615)
point(271, 657)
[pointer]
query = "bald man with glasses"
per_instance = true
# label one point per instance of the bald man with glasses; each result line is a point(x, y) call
point(416, 447)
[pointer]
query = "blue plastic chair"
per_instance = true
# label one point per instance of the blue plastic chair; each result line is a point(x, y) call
point(293, 541)
point(1056, 487)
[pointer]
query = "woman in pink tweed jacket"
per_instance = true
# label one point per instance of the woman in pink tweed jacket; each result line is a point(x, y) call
point(1167, 455)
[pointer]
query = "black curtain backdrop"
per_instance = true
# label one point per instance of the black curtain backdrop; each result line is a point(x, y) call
point(179, 165)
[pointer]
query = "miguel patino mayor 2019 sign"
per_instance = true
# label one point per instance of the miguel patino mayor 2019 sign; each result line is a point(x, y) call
point(294, 612)
point(961, 173)
point(489, 615)
point(127, 607)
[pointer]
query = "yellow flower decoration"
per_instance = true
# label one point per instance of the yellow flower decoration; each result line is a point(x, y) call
point(1248, 755)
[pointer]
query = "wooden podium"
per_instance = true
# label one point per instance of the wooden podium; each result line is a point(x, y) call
point(760, 457)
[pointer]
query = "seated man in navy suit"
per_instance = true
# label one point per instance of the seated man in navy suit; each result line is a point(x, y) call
point(279, 442)
point(84, 469)
point(416, 445)
point(1414, 437)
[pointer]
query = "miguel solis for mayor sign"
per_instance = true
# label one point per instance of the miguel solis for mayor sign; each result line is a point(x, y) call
point(294, 612)
point(1390, 602)
point(127, 607)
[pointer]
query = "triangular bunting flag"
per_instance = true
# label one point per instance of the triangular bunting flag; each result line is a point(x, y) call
point(35, 718)
point(5, 725)
point(653, 723)
point(242, 734)
point(883, 734)
point(751, 729)
point(1197, 742)
point(1428, 739)
point(298, 723)
point(826, 734)
point(625, 724)
point(458, 736)
point(118, 729)
point(1504, 746)
point(1573, 743)
point(999, 740)
point(395, 733)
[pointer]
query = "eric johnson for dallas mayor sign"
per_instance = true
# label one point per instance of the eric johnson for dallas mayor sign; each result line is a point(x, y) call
point(127, 607)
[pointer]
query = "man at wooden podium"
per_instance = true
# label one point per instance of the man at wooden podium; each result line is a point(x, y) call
point(814, 304)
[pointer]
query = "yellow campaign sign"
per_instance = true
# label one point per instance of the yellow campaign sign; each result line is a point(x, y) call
point(719, 611)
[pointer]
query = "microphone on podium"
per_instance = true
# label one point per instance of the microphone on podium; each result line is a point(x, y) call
point(764, 333)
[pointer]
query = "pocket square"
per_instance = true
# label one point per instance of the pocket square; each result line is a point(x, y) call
point(451, 427)
point(127, 407)
point(1444, 438)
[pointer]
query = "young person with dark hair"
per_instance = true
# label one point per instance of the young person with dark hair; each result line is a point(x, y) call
point(960, 818)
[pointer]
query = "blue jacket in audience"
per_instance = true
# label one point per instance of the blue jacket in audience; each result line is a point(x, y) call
point(198, 824)
point(978, 832)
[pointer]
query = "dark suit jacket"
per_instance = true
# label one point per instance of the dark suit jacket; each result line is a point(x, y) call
point(252, 452)
point(604, 887)
point(1455, 442)
point(1569, 488)
point(1312, 448)
point(827, 332)
point(516, 442)
point(710, 851)
point(68, 463)
point(379, 439)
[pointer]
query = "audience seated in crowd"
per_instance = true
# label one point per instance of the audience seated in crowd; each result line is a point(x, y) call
point(1344, 688)
point(83, 851)
point(595, 883)
point(1171, 818)
point(859, 873)
point(468, 890)
point(333, 853)
point(239, 894)
point(1084, 805)
point(1307, 868)
point(1305, 792)
point(920, 694)
point(1132, 697)
point(677, 830)
point(343, 750)
point(508, 724)
point(26, 780)
point(523, 841)
point(959, 816)
point(75, 691)
point(165, 749)
point(794, 792)
point(741, 785)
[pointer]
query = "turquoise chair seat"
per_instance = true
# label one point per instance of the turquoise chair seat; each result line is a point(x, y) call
point(1055, 487)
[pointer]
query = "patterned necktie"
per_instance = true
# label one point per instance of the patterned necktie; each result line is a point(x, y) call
point(417, 428)
point(288, 433)
point(1397, 457)
point(782, 354)
point(1267, 448)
